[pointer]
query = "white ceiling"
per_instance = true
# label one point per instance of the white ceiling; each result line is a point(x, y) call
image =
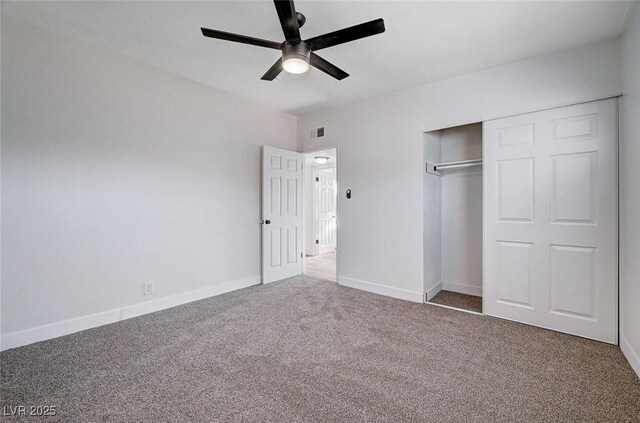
point(424, 41)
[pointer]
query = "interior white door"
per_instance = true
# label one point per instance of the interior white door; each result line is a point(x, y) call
point(550, 219)
point(281, 214)
point(326, 205)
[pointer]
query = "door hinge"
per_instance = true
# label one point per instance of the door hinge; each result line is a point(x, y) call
point(317, 179)
point(300, 255)
point(317, 241)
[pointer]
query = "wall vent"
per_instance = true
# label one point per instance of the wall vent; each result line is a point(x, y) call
point(317, 133)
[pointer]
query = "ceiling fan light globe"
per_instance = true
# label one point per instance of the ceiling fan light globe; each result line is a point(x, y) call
point(295, 65)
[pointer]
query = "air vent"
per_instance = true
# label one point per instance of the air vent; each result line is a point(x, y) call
point(317, 133)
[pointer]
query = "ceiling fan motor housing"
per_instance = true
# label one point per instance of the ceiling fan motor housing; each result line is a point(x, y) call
point(296, 50)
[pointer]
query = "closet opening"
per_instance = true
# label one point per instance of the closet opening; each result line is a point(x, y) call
point(453, 217)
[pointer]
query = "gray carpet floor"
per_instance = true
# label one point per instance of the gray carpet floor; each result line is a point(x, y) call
point(305, 349)
point(458, 300)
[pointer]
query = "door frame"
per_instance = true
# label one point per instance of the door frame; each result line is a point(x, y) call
point(305, 211)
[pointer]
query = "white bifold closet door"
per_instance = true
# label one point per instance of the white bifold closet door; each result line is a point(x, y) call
point(281, 214)
point(550, 219)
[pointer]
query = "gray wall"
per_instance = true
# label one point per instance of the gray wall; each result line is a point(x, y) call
point(115, 173)
point(630, 194)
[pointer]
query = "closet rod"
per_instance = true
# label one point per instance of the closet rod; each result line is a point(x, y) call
point(456, 165)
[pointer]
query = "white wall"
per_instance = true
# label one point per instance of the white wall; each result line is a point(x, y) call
point(115, 173)
point(462, 231)
point(432, 217)
point(630, 194)
point(461, 235)
point(381, 160)
point(462, 143)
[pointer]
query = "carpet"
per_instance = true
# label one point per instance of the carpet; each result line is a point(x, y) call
point(305, 349)
point(458, 300)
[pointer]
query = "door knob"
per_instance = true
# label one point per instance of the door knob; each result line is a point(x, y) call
point(267, 222)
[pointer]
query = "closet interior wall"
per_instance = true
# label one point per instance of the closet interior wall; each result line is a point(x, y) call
point(453, 212)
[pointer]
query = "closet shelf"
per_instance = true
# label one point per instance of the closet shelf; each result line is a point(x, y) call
point(457, 165)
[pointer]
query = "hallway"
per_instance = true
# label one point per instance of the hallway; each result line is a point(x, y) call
point(322, 266)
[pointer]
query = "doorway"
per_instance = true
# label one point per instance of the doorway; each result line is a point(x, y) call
point(320, 214)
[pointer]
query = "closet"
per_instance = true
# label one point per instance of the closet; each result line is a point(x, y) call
point(522, 211)
point(453, 216)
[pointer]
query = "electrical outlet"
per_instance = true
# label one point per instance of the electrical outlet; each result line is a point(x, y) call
point(147, 288)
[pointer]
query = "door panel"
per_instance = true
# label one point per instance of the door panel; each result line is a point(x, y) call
point(326, 210)
point(572, 280)
point(550, 219)
point(281, 214)
point(570, 202)
point(514, 273)
point(515, 190)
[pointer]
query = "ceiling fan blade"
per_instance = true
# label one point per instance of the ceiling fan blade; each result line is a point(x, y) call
point(273, 71)
point(221, 35)
point(345, 35)
point(288, 19)
point(327, 67)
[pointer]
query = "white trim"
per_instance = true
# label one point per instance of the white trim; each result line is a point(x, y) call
point(388, 291)
point(187, 297)
point(463, 288)
point(432, 292)
point(66, 327)
point(632, 356)
point(456, 309)
point(525, 112)
point(54, 330)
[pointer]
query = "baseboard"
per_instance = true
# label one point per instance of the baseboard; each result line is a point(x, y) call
point(632, 355)
point(388, 291)
point(432, 292)
point(54, 330)
point(462, 288)
point(66, 327)
point(187, 297)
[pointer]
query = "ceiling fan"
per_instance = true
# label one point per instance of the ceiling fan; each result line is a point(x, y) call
point(298, 54)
